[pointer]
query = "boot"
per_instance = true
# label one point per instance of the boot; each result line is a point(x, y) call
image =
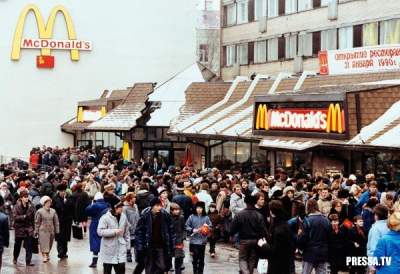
point(129, 256)
point(94, 262)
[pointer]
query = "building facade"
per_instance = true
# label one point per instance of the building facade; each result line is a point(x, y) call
point(273, 36)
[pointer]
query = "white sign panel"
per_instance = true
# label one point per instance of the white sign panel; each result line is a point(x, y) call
point(360, 60)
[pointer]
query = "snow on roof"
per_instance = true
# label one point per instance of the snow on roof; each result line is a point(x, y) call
point(171, 94)
point(383, 82)
point(174, 88)
point(376, 129)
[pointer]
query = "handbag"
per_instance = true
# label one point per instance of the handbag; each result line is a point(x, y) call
point(35, 245)
point(262, 266)
point(77, 231)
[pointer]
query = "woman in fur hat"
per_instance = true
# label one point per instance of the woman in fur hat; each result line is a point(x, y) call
point(46, 227)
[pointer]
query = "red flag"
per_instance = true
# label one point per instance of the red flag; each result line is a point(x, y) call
point(45, 61)
point(323, 62)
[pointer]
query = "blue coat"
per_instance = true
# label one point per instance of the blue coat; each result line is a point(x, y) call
point(4, 231)
point(95, 211)
point(143, 232)
point(389, 246)
point(363, 200)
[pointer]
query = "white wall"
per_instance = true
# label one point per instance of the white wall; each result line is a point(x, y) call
point(133, 41)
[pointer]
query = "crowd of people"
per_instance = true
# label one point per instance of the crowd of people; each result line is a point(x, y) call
point(147, 212)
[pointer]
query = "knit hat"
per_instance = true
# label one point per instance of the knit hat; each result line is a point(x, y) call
point(44, 200)
point(352, 177)
point(161, 189)
point(155, 201)
point(394, 221)
point(287, 189)
point(180, 186)
point(98, 196)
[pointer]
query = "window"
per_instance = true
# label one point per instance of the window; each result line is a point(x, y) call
point(229, 150)
point(242, 11)
point(231, 15)
point(316, 42)
point(242, 152)
point(290, 6)
point(316, 3)
point(272, 8)
point(290, 46)
point(273, 49)
point(281, 48)
point(346, 37)
point(357, 36)
point(243, 54)
point(390, 32)
point(305, 47)
point(329, 39)
point(203, 53)
point(260, 9)
point(230, 55)
point(325, 2)
point(305, 5)
point(370, 34)
point(260, 52)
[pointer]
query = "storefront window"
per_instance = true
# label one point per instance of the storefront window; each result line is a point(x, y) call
point(229, 151)
point(216, 155)
point(242, 152)
point(284, 160)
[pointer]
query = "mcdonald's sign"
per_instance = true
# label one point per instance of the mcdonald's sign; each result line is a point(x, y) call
point(330, 119)
point(45, 42)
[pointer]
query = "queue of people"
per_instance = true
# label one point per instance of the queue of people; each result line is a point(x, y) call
point(145, 211)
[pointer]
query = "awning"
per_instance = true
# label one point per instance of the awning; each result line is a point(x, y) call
point(288, 144)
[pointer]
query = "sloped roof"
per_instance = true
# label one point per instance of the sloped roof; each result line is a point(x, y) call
point(124, 117)
point(384, 131)
point(171, 93)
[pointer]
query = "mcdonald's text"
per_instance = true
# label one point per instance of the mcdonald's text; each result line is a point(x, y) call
point(299, 119)
point(29, 43)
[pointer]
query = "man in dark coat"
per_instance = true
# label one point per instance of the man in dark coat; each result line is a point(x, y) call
point(313, 238)
point(64, 207)
point(4, 232)
point(155, 239)
point(80, 201)
point(24, 220)
point(185, 202)
point(279, 246)
point(250, 225)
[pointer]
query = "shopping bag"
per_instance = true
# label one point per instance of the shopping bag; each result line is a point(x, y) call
point(262, 266)
point(77, 231)
point(35, 245)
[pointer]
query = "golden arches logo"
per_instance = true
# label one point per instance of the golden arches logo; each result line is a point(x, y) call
point(335, 121)
point(45, 30)
point(262, 118)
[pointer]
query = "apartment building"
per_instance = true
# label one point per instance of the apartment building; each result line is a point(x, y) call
point(272, 36)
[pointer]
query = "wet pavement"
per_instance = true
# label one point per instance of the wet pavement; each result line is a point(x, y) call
point(80, 257)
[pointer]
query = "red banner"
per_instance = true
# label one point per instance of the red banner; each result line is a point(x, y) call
point(45, 61)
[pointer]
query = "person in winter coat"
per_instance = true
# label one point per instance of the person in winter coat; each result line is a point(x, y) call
point(287, 200)
point(154, 239)
point(337, 245)
point(184, 202)
point(368, 214)
point(95, 211)
point(198, 226)
point(178, 222)
point(81, 200)
point(143, 197)
point(114, 229)
point(64, 207)
point(46, 227)
point(163, 194)
point(4, 232)
point(388, 246)
point(313, 239)
point(8, 202)
point(24, 222)
point(325, 201)
point(372, 192)
point(237, 203)
point(92, 186)
point(279, 244)
point(358, 247)
point(249, 225)
point(216, 222)
point(132, 214)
